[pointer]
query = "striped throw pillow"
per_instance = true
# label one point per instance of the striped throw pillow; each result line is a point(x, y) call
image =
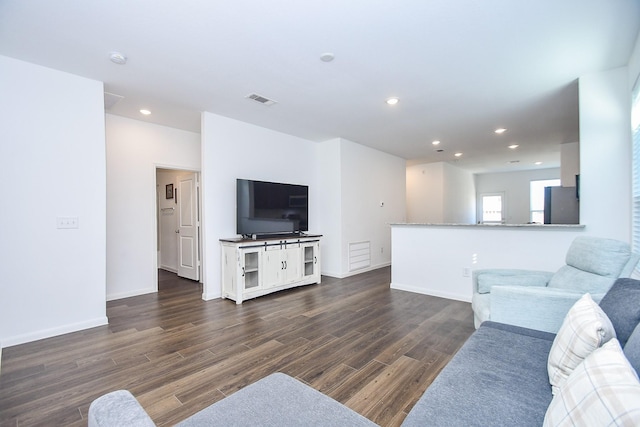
point(602, 391)
point(585, 328)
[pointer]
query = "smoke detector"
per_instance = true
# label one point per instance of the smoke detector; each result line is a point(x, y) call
point(118, 58)
point(327, 57)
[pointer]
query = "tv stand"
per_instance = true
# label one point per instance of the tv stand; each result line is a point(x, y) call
point(253, 267)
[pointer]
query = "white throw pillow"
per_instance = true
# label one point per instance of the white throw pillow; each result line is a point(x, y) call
point(602, 391)
point(585, 328)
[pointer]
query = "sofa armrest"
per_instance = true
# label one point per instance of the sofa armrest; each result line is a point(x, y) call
point(538, 308)
point(483, 280)
point(116, 409)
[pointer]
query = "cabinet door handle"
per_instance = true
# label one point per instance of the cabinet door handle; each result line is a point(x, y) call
point(285, 265)
point(242, 271)
point(315, 259)
point(281, 265)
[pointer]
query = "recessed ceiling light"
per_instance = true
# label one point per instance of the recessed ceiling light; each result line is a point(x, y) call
point(392, 101)
point(538, 163)
point(327, 57)
point(145, 112)
point(500, 130)
point(513, 146)
point(118, 58)
point(435, 142)
point(458, 154)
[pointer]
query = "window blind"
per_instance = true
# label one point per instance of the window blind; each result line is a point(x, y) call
point(635, 126)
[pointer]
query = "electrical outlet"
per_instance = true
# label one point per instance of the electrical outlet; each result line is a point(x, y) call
point(65, 222)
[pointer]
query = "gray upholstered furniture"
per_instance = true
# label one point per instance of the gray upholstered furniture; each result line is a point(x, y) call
point(276, 400)
point(498, 378)
point(540, 299)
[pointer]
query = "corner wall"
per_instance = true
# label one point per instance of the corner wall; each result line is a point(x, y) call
point(605, 154)
point(330, 217)
point(134, 150)
point(52, 164)
point(516, 187)
point(440, 193)
point(373, 187)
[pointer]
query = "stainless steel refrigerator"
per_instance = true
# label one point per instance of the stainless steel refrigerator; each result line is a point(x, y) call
point(561, 205)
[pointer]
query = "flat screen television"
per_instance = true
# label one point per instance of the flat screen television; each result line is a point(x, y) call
point(268, 208)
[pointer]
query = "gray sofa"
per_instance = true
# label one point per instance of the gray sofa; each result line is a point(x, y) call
point(498, 378)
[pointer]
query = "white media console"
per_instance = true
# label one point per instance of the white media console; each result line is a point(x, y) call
point(252, 268)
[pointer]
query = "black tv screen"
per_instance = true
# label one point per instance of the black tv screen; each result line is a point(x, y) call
point(264, 208)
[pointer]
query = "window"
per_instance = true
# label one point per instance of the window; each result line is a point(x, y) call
point(536, 194)
point(491, 208)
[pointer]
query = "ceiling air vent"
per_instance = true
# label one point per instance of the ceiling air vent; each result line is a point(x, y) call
point(261, 99)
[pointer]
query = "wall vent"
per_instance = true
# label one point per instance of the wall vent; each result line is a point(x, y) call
point(359, 255)
point(261, 99)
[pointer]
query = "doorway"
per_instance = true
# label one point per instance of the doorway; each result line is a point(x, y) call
point(178, 222)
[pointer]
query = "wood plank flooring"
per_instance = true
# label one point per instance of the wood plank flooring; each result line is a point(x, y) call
point(370, 347)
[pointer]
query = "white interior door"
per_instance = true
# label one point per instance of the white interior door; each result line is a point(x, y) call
point(188, 226)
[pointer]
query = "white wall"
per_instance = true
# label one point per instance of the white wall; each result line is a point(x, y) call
point(459, 196)
point(232, 149)
point(347, 182)
point(440, 193)
point(134, 150)
point(52, 164)
point(329, 173)
point(369, 179)
point(425, 193)
point(605, 153)
point(516, 189)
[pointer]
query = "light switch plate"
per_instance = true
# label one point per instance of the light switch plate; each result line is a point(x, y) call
point(67, 222)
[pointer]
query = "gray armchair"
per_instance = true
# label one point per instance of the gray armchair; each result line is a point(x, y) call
point(541, 299)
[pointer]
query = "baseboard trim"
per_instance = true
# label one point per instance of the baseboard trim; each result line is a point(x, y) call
point(355, 272)
point(111, 297)
point(53, 332)
point(414, 289)
point(209, 297)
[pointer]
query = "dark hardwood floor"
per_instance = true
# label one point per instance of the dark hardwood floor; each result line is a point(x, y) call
point(370, 347)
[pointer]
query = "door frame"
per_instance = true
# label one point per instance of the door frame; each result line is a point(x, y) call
point(156, 193)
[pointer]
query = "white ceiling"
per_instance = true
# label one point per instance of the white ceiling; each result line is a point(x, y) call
point(461, 68)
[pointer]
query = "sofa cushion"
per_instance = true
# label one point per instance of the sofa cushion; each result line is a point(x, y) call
point(622, 306)
point(604, 257)
point(602, 391)
point(498, 377)
point(488, 280)
point(276, 400)
point(585, 328)
point(571, 278)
